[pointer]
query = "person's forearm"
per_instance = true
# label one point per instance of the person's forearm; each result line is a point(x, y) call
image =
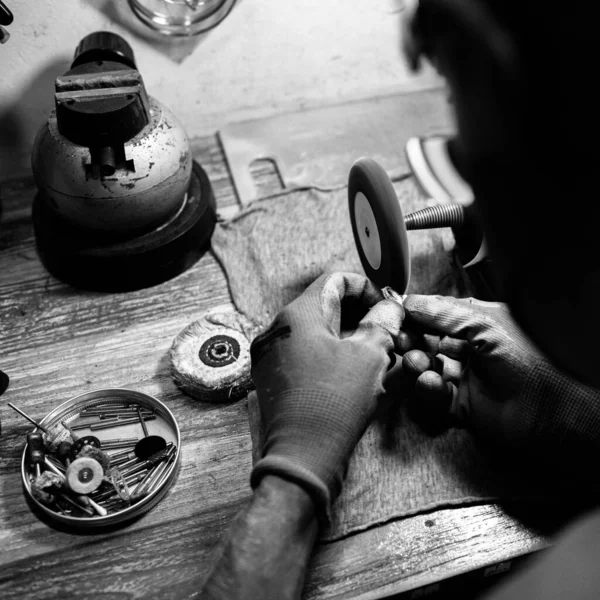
point(268, 546)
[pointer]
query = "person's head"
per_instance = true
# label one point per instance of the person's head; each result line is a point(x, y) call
point(526, 122)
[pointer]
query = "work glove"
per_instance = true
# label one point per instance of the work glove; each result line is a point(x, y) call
point(319, 370)
point(479, 370)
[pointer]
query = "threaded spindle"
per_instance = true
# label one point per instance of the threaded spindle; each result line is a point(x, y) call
point(442, 215)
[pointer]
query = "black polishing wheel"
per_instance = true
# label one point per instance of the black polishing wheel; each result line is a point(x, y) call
point(378, 225)
point(94, 262)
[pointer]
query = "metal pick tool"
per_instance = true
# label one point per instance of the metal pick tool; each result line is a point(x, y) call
point(27, 417)
point(149, 444)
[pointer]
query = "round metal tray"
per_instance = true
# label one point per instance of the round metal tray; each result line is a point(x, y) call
point(163, 424)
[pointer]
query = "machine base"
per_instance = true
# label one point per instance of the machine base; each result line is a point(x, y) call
point(94, 262)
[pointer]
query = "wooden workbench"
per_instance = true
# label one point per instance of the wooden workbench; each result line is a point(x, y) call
point(57, 342)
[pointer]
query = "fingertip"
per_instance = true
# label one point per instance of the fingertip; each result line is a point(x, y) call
point(406, 341)
point(418, 301)
point(394, 368)
point(419, 307)
point(432, 402)
point(438, 314)
point(412, 300)
point(450, 369)
point(431, 384)
point(414, 363)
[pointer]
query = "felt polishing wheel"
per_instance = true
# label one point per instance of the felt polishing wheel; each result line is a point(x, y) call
point(88, 451)
point(84, 475)
point(378, 225)
point(210, 359)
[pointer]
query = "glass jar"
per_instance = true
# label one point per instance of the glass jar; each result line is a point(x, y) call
point(181, 17)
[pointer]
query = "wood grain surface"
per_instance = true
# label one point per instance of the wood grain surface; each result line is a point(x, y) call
point(57, 342)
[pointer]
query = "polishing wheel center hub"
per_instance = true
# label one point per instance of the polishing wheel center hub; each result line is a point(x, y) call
point(219, 351)
point(85, 475)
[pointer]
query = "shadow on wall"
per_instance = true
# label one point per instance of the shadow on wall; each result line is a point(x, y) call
point(20, 123)
point(176, 49)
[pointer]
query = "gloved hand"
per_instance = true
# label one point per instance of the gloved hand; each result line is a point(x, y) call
point(319, 370)
point(488, 376)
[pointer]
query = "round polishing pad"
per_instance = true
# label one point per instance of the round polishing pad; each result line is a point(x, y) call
point(210, 359)
point(378, 225)
point(84, 475)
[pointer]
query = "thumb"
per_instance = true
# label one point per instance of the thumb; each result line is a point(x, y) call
point(334, 288)
point(381, 325)
point(445, 316)
point(387, 314)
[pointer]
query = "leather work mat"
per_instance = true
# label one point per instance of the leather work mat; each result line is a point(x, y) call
point(271, 251)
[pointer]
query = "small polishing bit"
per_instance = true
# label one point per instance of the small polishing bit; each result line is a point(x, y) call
point(84, 475)
point(36, 451)
point(63, 452)
point(149, 444)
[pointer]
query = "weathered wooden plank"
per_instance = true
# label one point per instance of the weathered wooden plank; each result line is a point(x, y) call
point(410, 553)
point(40, 314)
point(400, 556)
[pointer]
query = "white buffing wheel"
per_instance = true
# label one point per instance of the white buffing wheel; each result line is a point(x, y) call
point(84, 475)
point(210, 358)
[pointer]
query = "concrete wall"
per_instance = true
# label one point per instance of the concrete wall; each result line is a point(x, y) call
point(267, 57)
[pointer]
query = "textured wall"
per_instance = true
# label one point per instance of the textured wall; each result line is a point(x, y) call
point(268, 56)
